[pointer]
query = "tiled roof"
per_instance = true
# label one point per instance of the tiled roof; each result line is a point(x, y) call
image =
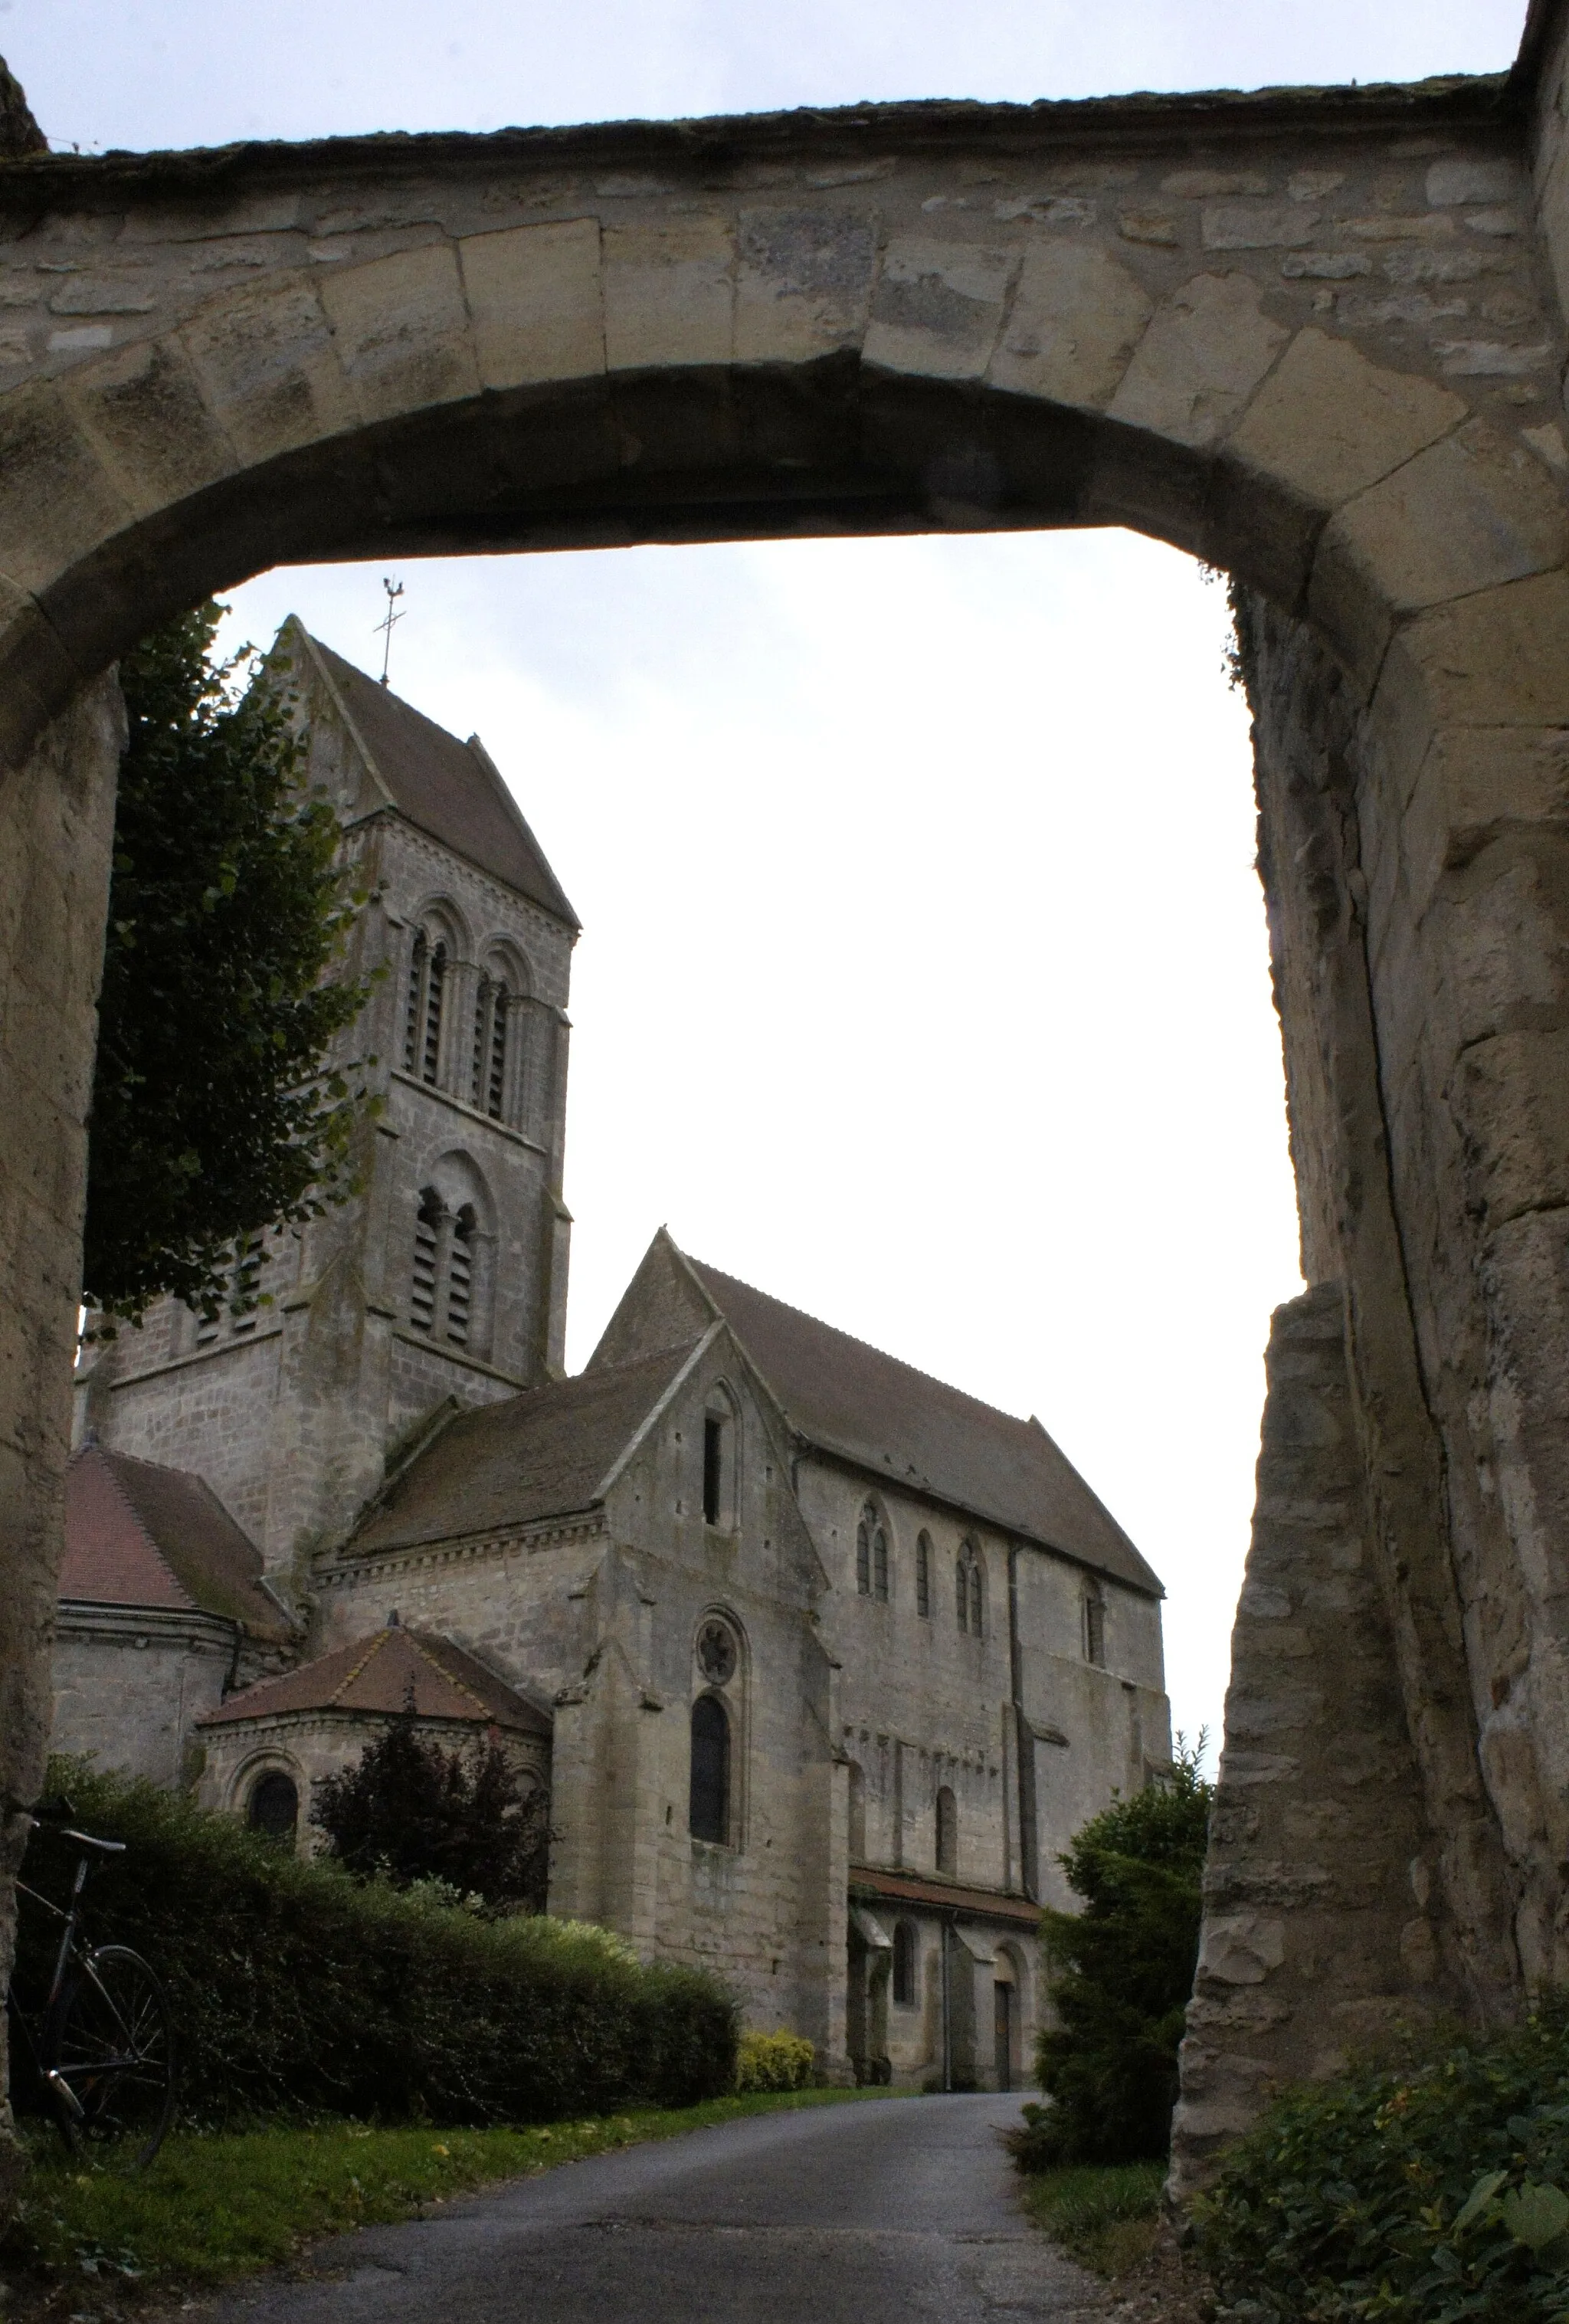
point(540, 1454)
point(917, 1888)
point(448, 787)
point(394, 1669)
point(137, 1534)
point(843, 1397)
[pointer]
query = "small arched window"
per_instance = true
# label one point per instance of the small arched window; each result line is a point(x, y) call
point(871, 1555)
point(923, 1574)
point(719, 1495)
point(422, 1028)
point(857, 1812)
point(273, 1806)
point(708, 1811)
point(967, 1598)
point(904, 1961)
point(1095, 1624)
point(947, 1832)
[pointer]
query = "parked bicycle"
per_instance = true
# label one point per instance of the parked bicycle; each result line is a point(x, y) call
point(102, 2046)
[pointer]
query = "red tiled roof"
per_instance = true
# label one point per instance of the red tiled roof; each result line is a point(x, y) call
point(913, 1888)
point(137, 1534)
point(393, 1670)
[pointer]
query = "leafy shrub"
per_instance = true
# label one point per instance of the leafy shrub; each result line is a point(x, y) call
point(774, 2061)
point(1126, 1965)
point(412, 1812)
point(1419, 2193)
point(294, 1986)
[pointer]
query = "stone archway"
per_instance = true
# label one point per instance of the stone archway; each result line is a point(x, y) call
point(1315, 338)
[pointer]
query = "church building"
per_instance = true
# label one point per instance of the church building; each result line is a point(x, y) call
point(821, 1662)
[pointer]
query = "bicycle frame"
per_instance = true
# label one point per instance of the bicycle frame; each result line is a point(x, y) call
point(54, 2081)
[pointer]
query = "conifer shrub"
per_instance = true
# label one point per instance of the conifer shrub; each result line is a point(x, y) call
point(1428, 2189)
point(774, 2061)
point(296, 1986)
point(408, 1811)
point(1123, 1972)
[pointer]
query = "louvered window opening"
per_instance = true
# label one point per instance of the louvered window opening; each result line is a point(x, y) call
point(461, 1277)
point(495, 1094)
point(1095, 1630)
point(967, 1603)
point(247, 1275)
point(431, 1055)
point(427, 1228)
point(923, 1575)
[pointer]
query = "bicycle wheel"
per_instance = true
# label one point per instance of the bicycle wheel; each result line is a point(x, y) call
point(108, 2058)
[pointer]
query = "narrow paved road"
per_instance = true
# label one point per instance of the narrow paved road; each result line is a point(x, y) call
point(892, 2212)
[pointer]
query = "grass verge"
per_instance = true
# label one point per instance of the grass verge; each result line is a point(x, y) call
point(1106, 2216)
point(221, 2204)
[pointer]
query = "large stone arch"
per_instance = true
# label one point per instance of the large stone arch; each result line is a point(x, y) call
point(1315, 338)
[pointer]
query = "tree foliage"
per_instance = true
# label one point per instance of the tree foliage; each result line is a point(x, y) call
point(228, 912)
point(412, 1812)
point(1124, 1970)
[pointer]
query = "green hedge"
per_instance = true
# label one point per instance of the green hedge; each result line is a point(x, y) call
point(1428, 2192)
point(774, 2061)
point(294, 1986)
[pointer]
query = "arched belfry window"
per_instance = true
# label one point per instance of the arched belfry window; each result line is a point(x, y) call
point(968, 1604)
point(709, 1816)
point(493, 1026)
point(451, 1288)
point(428, 965)
point(947, 1832)
point(872, 1565)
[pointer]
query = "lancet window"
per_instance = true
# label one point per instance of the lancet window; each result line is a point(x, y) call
point(967, 1589)
point(493, 1034)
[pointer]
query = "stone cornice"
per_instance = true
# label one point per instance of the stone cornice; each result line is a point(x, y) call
point(336, 1571)
point(715, 148)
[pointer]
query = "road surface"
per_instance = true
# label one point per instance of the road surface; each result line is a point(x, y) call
point(891, 2211)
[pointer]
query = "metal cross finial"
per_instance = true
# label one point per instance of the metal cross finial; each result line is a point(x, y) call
point(394, 590)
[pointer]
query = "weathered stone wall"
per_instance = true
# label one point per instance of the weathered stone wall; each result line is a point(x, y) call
point(57, 813)
point(1322, 1908)
point(130, 1682)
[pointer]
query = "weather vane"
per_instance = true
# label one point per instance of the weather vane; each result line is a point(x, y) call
point(394, 590)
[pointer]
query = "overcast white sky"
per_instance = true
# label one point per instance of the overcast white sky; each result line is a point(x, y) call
point(923, 979)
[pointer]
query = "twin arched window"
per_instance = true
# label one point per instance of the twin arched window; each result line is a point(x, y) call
point(871, 1555)
point(488, 1078)
point(967, 1589)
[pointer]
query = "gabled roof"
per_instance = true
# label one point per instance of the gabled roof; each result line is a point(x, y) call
point(137, 1534)
point(883, 1416)
point(449, 789)
point(547, 1452)
point(394, 1669)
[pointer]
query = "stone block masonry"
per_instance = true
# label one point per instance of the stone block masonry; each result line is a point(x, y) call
point(1320, 1892)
